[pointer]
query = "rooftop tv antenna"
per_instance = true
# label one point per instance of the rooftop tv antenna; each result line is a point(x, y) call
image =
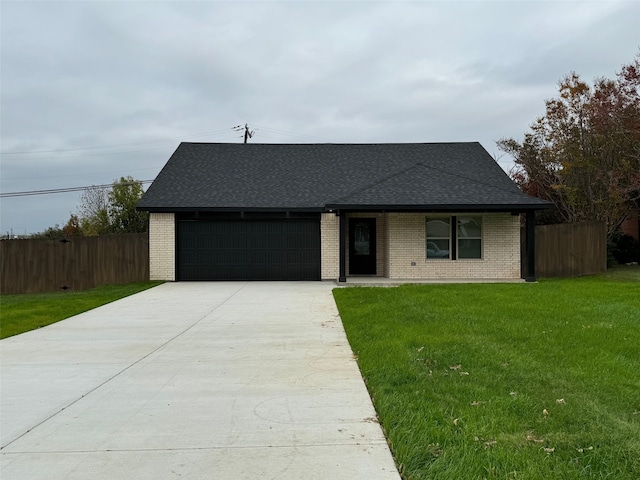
point(247, 133)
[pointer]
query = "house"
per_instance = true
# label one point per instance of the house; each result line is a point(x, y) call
point(331, 211)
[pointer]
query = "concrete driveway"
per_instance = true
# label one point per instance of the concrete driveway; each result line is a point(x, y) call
point(193, 381)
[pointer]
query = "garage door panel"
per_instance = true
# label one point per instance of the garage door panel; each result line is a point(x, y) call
point(282, 249)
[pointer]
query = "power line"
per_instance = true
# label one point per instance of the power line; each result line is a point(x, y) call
point(159, 140)
point(84, 174)
point(29, 193)
point(291, 134)
point(246, 134)
point(84, 155)
point(78, 189)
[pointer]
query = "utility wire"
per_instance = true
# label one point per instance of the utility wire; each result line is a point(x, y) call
point(159, 140)
point(84, 174)
point(68, 189)
point(78, 189)
point(101, 147)
point(150, 142)
point(291, 134)
point(84, 155)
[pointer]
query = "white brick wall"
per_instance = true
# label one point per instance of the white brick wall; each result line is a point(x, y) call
point(162, 246)
point(406, 237)
point(329, 246)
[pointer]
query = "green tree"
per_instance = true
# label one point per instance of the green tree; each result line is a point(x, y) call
point(584, 153)
point(123, 198)
point(51, 233)
point(93, 211)
point(105, 210)
point(73, 227)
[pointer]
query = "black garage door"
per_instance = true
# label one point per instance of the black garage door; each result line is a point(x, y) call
point(249, 249)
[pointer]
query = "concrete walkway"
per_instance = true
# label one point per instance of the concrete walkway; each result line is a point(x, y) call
point(193, 381)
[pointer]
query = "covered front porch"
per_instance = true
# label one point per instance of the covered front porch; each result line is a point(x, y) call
point(390, 248)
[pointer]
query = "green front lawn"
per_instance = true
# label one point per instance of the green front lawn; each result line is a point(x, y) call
point(524, 381)
point(21, 313)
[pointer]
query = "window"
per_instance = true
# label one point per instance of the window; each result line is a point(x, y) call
point(454, 237)
point(438, 238)
point(469, 237)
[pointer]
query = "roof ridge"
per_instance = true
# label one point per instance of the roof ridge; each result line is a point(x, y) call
point(377, 182)
point(331, 143)
point(478, 182)
point(428, 167)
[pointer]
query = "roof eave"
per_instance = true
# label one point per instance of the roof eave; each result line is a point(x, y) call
point(330, 207)
point(229, 209)
point(512, 208)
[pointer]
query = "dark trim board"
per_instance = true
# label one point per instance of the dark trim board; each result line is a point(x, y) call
point(246, 215)
point(236, 248)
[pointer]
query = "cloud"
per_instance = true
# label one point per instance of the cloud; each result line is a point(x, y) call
point(139, 77)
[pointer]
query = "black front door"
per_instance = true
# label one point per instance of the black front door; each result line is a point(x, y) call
point(362, 246)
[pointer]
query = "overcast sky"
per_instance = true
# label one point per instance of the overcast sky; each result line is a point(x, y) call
point(92, 91)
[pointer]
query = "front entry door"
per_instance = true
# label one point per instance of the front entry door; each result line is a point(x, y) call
point(362, 246)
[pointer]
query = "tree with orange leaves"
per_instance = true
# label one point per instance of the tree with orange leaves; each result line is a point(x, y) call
point(584, 153)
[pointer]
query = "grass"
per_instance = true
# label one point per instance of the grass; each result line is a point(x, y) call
point(21, 313)
point(535, 381)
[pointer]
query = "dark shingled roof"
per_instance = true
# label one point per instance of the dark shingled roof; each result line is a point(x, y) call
point(318, 177)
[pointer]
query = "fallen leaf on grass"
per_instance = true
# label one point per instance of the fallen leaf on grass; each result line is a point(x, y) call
point(549, 451)
point(534, 439)
point(434, 449)
point(455, 367)
point(475, 404)
point(561, 401)
point(582, 450)
point(455, 421)
point(513, 394)
point(545, 412)
point(490, 443)
point(464, 373)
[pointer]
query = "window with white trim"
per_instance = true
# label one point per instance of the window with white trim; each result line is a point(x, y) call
point(452, 238)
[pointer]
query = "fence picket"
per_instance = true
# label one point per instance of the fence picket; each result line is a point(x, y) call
point(36, 265)
point(569, 250)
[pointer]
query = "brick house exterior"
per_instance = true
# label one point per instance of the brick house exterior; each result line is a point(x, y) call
point(631, 225)
point(333, 212)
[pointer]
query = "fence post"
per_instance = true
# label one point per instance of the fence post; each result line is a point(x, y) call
point(531, 247)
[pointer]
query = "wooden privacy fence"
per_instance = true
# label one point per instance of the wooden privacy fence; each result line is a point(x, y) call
point(36, 265)
point(569, 250)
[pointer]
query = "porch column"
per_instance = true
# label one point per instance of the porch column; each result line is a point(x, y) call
point(531, 247)
point(342, 242)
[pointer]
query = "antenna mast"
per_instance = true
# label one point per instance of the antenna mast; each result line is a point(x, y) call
point(247, 133)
